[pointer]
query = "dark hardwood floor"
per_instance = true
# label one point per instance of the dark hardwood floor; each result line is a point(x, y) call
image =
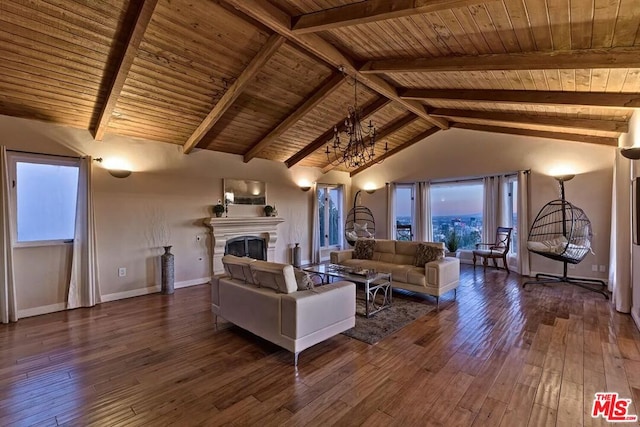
point(498, 355)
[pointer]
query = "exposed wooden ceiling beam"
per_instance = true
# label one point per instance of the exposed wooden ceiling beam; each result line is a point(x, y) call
point(136, 33)
point(525, 119)
point(623, 57)
point(595, 99)
point(397, 149)
point(370, 11)
point(540, 133)
point(367, 111)
point(280, 22)
point(389, 129)
point(327, 88)
point(237, 87)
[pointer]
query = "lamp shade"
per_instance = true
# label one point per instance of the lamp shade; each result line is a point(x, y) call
point(632, 153)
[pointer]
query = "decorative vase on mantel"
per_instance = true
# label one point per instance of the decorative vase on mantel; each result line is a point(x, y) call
point(296, 255)
point(166, 261)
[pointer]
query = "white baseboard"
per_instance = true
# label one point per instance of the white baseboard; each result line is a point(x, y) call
point(194, 282)
point(533, 274)
point(45, 309)
point(130, 294)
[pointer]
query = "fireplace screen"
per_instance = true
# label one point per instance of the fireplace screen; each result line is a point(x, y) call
point(251, 246)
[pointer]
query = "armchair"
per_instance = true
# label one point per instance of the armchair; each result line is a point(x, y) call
point(498, 249)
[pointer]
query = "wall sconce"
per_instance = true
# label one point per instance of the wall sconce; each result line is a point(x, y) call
point(304, 185)
point(114, 171)
point(632, 153)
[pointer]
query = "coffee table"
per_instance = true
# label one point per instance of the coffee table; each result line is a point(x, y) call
point(377, 285)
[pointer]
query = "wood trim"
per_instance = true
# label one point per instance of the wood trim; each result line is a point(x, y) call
point(367, 111)
point(524, 119)
point(540, 134)
point(370, 11)
point(237, 87)
point(397, 149)
point(133, 43)
point(622, 57)
point(390, 128)
point(280, 22)
point(327, 88)
point(595, 99)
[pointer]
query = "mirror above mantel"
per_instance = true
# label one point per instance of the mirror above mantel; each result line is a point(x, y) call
point(244, 192)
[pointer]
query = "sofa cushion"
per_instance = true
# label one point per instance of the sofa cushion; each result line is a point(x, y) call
point(303, 280)
point(238, 267)
point(279, 277)
point(364, 249)
point(386, 246)
point(416, 276)
point(427, 253)
point(406, 248)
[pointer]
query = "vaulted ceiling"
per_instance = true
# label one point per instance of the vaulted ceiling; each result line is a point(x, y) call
point(261, 78)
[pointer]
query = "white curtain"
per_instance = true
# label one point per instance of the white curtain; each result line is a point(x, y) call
point(424, 226)
point(524, 257)
point(492, 210)
point(620, 247)
point(84, 290)
point(391, 210)
point(8, 306)
point(315, 235)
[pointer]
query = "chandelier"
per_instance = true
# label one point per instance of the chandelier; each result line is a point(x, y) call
point(357, 146)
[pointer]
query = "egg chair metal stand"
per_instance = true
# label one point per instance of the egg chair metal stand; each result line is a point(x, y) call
point(562, 231)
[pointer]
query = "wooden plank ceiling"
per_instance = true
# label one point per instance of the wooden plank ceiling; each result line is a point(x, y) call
point(261, 78)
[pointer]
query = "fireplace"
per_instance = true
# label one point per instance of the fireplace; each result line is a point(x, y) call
point(236, 230)
point(251, 246)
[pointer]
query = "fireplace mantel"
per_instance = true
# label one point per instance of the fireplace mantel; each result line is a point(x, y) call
point(226, 228)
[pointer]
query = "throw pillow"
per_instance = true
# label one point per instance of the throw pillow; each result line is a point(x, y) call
point(364, 249)
point(303, 280)
point(427, 253)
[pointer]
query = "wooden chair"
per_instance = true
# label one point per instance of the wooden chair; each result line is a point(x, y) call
point(498, 249)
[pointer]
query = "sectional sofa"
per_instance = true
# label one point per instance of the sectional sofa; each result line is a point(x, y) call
point(434, 278)
point(266, 299)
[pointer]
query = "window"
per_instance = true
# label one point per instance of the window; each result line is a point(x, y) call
point(46, 190)
point(330, 213)
point(456, 213)
point(511, 219)
point(404, 212)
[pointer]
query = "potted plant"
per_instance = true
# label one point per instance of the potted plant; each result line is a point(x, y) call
point(218, 210)
point(268, 210)
point(452, 242)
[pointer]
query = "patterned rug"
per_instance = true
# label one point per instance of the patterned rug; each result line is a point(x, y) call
point(384, 323)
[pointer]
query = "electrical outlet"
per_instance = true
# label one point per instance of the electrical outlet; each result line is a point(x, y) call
point(594, 267)
point(603, 268)
point(572, 267)
point(122, 272)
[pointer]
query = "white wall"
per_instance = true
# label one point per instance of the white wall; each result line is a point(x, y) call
point(165, 184)
point(458, 153)
point(632, 138)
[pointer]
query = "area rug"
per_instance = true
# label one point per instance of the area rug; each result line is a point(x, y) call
point(401, 313)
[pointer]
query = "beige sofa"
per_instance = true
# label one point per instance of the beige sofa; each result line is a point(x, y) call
point(263, 298)
point(398, 258)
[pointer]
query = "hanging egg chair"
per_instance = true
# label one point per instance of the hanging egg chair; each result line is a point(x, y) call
point(359, 224)
point(561, 231)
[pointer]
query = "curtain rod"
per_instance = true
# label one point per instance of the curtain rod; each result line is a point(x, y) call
point(476, 178)
point(43, 154)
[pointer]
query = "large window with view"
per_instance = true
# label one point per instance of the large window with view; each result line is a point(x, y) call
point(330, 216)
point(404, 212)
point(456, 213)
point(45, 187)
